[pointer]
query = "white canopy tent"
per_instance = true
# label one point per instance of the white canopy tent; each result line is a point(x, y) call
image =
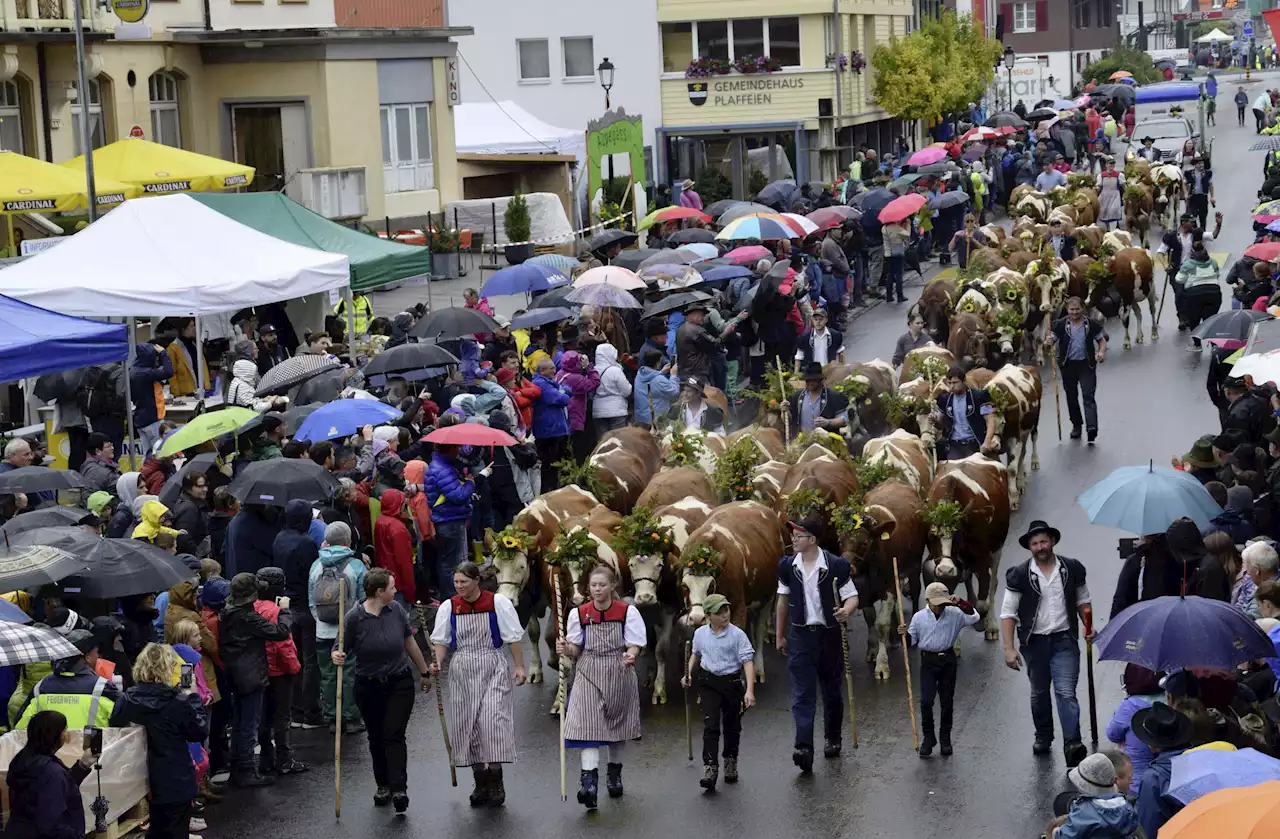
point(506, 128)
point(1214, 36)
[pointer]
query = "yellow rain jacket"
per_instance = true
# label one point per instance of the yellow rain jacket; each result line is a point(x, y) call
point(152, 513)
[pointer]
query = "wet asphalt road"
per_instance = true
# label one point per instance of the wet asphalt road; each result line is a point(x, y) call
point(1152, 404)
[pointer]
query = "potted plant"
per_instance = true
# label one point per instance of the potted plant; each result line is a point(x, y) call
point(518, 227)
point(444, 254)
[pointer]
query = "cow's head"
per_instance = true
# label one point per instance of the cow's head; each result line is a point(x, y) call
point(509, 553)
point(646, 574)
point(1043, 284)
point(861, 533)
point(700, 565)
point(944, 516)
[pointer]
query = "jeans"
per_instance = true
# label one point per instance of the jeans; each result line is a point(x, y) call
point(550, 449)
point(606, 424)
point(247, 712)
point(1083, 376)
point(1054, 659)
point(386, 705)
point(721, 700)
point(306, 693)
point(451, 546)
point(960, 449)
point(273, 730)
point(893, 276)
point(814, 662)
point(937, 678)
point(1240, 114)
point(329, 683)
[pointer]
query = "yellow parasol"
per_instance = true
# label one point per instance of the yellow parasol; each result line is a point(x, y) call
point(161, 169)
point(28, 185)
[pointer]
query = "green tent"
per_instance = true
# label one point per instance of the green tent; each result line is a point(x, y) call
point(374, 262)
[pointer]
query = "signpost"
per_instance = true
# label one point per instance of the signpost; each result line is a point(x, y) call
point(1246, 29)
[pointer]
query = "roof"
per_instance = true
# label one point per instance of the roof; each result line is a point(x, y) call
point(506, 128)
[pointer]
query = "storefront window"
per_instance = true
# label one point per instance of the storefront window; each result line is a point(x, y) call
point(784, 40)
point(97, 129)
point(166, 126)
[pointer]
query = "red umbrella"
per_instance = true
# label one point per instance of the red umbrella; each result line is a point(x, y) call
point(748, 254)
point(980, 133)
point(677, 212)
point(1264, 251)
point(902, 208)
point(470, 434)
point(829, 217)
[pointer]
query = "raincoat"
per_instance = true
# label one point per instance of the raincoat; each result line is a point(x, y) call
point(580, 384)
point(243, 385)
point(152, 512)
point(394, 544)
point(611, 397)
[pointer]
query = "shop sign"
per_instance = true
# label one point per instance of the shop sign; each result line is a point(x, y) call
point(737, 91)
point(131, 11)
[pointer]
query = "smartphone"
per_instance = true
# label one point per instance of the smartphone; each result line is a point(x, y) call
point(187, 679)
point(93, 741)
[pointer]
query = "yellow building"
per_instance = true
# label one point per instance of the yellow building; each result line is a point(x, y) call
point(800, 116)
point(275, 84)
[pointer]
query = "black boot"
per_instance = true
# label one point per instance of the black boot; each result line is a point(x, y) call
point(709, 774)
point(590, 788)
point(944, 740)
point(803, 758)
point(613, 780)
point(497, 792)
point(731, 770)
point(480, 795)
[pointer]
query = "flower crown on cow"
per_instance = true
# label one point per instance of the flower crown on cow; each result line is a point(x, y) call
point(642, 534)
point(510, 542)
point(702, 561)
point(684, 448)
point(944, 517)
point(574, 548)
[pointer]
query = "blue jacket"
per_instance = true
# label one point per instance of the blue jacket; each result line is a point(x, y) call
point(447, 494)
point(148, 368)
point(1231, 523)
point(1155, 807)
point(45, 796)
point(250, 540)
point(1105, 817)
point(662, 389)
point(292, 550)
point(550, 412)
point(334, 556)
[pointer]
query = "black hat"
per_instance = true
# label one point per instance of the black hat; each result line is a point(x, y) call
point(1148, 139)
point(1229, 439)
point(809, 524)
point(699, 306)
point(244, 589)
point(1245, 456)
point(271, 581)
point(1039, 526)
point(1162, 727)
point(568, 332)
point(656, 326)
point(83, 640)
point(271, 421)
point(266, 329)
point(813, 372)
point(1273, 436)
point(1235, 383)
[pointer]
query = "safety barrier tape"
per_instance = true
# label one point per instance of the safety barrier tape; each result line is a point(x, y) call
point(563, 238)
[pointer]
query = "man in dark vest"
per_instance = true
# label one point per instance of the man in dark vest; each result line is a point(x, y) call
point(967, 418)
point(1046, 598)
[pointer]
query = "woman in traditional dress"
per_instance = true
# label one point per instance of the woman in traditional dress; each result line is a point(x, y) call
point(605, 636)
point(1110, 182)
point(471, 629)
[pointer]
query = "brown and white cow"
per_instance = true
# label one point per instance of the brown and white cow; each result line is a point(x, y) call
point(935, 306)
point(1034, 205)
point(749, 538)
point(1020, 390)
point(671, 485)
point(1167, 193)
point(968, 341)
point(1137, 211)
point(835, 480)
point(625, 460)
point(877, 375)
point(768, 478)
point(1047, 281)
point(1132, 276)
point(1089, 239)
point(918, 358)
point(601, 524)
point(979, 485)
point(905, 452)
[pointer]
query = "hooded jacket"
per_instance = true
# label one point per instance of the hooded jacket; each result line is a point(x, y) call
point(121, 523)
point(189, 514)
point(242, 644)
point(45, 797)
point(249, 542)
point(581, 385)
point(172, 720)
point(332, 557)
point(70, 689)
point(156, 472)
point(99, 473)
point(1237, 519)
point(524, 394)
point(448, 494)
point(152, 513)
point(1105, 817)
point(611, 396)
point(550, 413)
point(394, 544)
point(653, 385)
point(282, 656)
point(415, 472)
point(243, 385)
point(293, 549)
point(1154, 805)
point(183, 606)
point(150, 368)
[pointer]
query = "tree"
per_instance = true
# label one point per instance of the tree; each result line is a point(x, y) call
point(1120, 57)
point(936, 70)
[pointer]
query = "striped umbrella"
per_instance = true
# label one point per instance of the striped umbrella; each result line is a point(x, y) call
point(294, 371)
point(610, 275)
point(21, 644)
point(762, 226)
point(802, 225)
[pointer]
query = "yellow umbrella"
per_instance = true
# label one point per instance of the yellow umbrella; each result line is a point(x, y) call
point(28, 185)
point(161, 169)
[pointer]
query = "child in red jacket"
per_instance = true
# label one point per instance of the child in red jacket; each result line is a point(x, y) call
point(395, 545)
point(274, 754)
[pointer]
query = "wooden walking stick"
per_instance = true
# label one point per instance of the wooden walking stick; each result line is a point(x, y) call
point(562, 696)
point(1093, 700)
point(848, 672)
point(688, 705)
point(783, 407)
point(337, 733)
point(1165, 292)
point(444, 729)
point(906, 663)
point(1057, 396)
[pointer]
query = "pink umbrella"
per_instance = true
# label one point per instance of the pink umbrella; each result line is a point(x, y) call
point(926, 156)
point(901, 208)
point(748, 254)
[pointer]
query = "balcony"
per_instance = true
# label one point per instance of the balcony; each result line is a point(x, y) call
point(49, 16)
point(387, 14)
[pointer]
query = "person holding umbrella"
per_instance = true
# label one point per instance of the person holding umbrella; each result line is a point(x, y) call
point(1167, 732)
point(449, 493)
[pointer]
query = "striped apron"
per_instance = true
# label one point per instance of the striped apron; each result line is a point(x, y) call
point(604, 701)
point(481, 710)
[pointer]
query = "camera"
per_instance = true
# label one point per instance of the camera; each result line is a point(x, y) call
point(1126, 547)
point(93, 741)
point(187, 679)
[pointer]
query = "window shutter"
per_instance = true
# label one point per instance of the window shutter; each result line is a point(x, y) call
point(1042, 15)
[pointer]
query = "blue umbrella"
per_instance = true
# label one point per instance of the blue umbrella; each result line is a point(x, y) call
point(519, 279)
point(1168, 633)
point(11, 613)
point(1274, 226)
point(1147, 499)
point(725, 272)
point(603, 296)
point(564, 264)
point(1196, 774)
point(344, 417)
point(540, 317)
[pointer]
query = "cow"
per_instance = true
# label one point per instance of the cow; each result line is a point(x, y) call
point(671, 485)
point(1017, 391)
point(935, 306)
point(992, 235)
point(1086, 204)
point(1047, 281)
point(768, 478)
point(625, 460)
point(601, 524)
point(1132, 274)
point(1034, 205)
point(1079, 284)
point(972, 546)
point(988, 259)
point(1089, 239)
point(768, 440)
point(975, 299)
point(1019, 260)
point(905, 452)
point(1019, 192)
point(1066, 215)
point(933, 360)
point(749, 538)
point(968, 341)
point(917, 399)
point(1167, 194)
point(833, 478)
point(878, 375)
point(1116, 240)
point(1137, 211)
point(1141, 170)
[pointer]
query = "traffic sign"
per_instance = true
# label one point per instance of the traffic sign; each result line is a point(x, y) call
point(1246, 29)
point(136, 132)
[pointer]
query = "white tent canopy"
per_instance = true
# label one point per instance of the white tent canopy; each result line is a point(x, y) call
point(169, 255)
point(506, 128)
point(1212, 36)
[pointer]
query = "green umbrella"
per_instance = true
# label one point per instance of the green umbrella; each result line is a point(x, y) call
point(906, 180)
point(206, 427)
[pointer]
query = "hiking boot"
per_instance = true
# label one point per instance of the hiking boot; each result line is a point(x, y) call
point(589, 790)
point(945, 744)
point(250, 780)
point(480, 795)
point(613, 780)
point(208, 793)
point(1074, 751)
point(927, 744)
point(1075, 432)
point(497, 792)
point(1093, 435)
point(709, 774)
point(803, 758)
point(382, 797)
point(830, 749)
point(731, 770)
point(1042, 746)
point(400, 800)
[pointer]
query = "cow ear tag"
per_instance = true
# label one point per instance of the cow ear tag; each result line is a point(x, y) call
point(884, 537)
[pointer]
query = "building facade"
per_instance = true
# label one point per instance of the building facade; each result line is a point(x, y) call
point(1061, 36)
point(801, 107)
point(276, 84)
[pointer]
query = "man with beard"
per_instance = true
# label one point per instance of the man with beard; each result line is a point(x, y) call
point(270, 351)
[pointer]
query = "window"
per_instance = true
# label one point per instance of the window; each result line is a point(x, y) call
point(579, 58)
point(1083, 13)
point(1024, 17)
point(535, 60)
point(165, 125)
point(713, 39)
point(727, 40)
point(11, 135)
point(1106, 14)
point(748, 37)
point(97, 129)
point(406, 148)
point(677, 46)
point(784, 40)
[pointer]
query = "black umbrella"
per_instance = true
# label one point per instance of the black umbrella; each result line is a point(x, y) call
point(942, 167)
point(297, 415)
point(1041, 114)
point(629, 259)
point(203, 463)
point(611, 237)
point(541, 317)
point(277, 482)
point(62, 385)
point(55, 515)
point(555, 298)
point(38, 479)
point(1005, 119)
point(718, 208)
point(953, 198)
point(294, 371)
point(778, 194)
point(323, 388)
point(690, 235)
point(872, 202)
point(25, 566)
point(111, 567)
point(674, 302)
point(454, 322)
point(1231, 325)
point(408, 357)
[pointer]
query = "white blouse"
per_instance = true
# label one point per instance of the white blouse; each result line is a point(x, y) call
point(633, 631)
point(508, 622)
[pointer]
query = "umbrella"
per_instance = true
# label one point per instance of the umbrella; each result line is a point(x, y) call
point(294, 371)
point(1268, 143)
point(1005, 119)
point(522, 278)
point(611, 237)
point(203, 463)
point(277, 482)
point(1233, 324)
point(344, 418)
point(610, 275)
point(564, 264)
point(833, 216)
point(717, 209)
point(209, 426)
point(38, 479)
point(748, 254)
point(926, 156)
point(1274, 226)
point(670, 277)
point(407, 357)
point(802, 225)
point(676, 256)
point(704, 250)
point(55, 515)
point(1147, 499)
point(11, 613)
point(1241, 813)
point(980, 132)
point(674, 302)
point(49, 187)
point(30, 644)
point(453, 322)
point(778, 194)
point(1267, 212)
point(603, 296)
point(949, 199)
point(974, 152)
point(1263, 367)
point(721, 273)
point(323, 388)
point(1196, 774)
point(672, 213)
point(690, 235)
point(1120, 74)
point(906, 180)
point(1171, 632)
point(470, 434)
point(27, 565)
point(762, 226)
point(1065, 104)
point(294, 417)
point(942, 167)
point(541, 317)
point(61, 385)
point(743, 209)
point(1264, 251)
point(631, 259)
point(552, 299)
point(111, 567)
point(873, 201)
point(902, 208)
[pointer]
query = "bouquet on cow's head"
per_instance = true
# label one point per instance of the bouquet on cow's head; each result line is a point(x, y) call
point(806, 503)
point(830, 441)
point(735, 470)
point(684, 448)
point(900, 407)
point(509, 543)
point(871, 475)
point(574, 548)
point(702, 560)
point(643, 534)
point(586, 475)
point(944, 517)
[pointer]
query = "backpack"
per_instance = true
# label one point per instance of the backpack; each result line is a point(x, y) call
point(97, 397)
point(331, 587)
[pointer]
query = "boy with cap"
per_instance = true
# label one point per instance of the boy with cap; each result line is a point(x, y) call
point(723, 659)
point(935, 630)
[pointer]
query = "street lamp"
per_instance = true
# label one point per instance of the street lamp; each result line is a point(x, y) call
point(1010, 57)
point(605, 70)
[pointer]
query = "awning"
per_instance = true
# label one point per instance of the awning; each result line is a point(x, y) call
point(29, 185)
point(35, 341)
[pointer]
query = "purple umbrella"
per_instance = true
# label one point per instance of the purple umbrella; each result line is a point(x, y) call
point(603, 296)
point(1172, 632)
point(974, 152)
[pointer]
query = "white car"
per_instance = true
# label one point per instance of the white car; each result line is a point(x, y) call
point(1170, 135)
